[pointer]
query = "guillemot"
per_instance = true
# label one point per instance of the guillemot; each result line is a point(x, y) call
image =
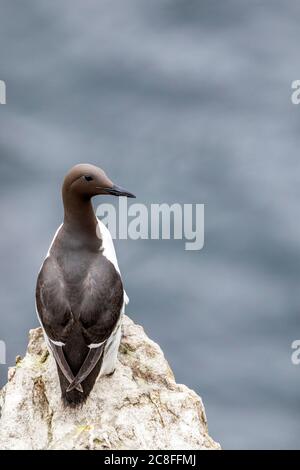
point(79, 295)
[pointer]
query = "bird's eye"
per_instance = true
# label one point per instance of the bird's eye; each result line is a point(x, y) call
point(88, 178)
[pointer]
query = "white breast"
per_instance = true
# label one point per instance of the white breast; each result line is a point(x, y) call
point(109, 250)
point(57, 231)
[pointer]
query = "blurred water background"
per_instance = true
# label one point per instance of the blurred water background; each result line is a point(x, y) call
point(179, 101)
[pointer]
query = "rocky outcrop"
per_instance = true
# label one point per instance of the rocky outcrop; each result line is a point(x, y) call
point(139, 407)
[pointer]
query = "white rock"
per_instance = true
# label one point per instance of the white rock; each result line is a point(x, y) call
point(139, 407)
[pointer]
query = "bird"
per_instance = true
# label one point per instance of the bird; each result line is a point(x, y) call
point(80, 298)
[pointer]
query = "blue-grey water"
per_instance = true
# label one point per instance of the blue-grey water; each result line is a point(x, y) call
point(179, 101)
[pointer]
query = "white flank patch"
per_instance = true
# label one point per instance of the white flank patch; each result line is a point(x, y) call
point(95, 345)
point(57, 343)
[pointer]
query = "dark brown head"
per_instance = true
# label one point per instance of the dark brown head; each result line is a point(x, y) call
point(86, 181)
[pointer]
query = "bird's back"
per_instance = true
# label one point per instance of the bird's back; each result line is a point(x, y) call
point(79, 300)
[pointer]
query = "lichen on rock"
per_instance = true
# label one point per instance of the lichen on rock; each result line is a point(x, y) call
point(139, 407)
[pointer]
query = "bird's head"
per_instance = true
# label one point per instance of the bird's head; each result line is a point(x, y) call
point(87, 181)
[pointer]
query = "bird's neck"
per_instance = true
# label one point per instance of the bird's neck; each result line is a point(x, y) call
point(80, 219)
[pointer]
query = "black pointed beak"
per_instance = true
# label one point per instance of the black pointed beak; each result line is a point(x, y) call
point(118, 191)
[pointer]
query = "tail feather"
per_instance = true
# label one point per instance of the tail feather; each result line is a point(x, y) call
point(75, 357)
point(94, 357)
point(74, 397)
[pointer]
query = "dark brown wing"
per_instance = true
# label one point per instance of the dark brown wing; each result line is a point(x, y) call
point(101, 302)
point(100, 310)
point(52, 305)
point(55, 314)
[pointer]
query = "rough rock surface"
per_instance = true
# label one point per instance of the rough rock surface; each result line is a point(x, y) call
point(139, 407)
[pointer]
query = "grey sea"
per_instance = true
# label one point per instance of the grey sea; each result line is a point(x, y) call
point(179, 101)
